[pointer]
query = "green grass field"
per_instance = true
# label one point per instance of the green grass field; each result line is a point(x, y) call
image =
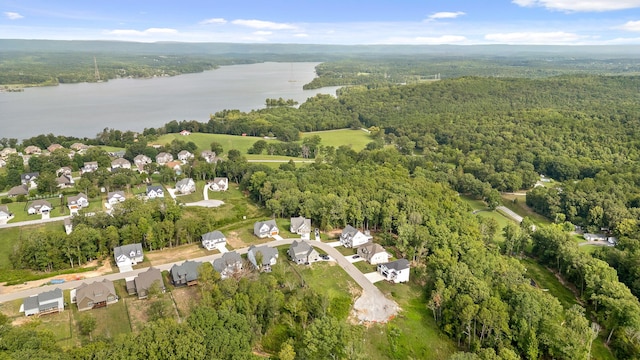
point(356, 139)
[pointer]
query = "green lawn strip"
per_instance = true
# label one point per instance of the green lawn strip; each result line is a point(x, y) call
point(356, 139)
point(194, 196)
point(111, 148)
point(474, 203)
point(518, 205)
point(419, 336)
point(545, 279)
point(365, 267)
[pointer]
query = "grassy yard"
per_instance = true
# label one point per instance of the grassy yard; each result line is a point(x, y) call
point(518, 205)
point(419, 336)
point(356, 139)
point(482, 210)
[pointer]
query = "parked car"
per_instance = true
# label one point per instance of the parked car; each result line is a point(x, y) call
point(324, 257)
point(355, 257)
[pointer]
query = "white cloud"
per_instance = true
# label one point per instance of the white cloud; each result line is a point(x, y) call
point(426, 40)
point(445, 15)
point(580, 5)
point(147, 32)
point(535, 38)
point(301, 35)
point(12, 15)
point(631, 26)
point(260, 24)
point(262, 33)
point(213, 21)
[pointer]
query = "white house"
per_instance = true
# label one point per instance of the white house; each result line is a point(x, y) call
point(140, 161)
point(213, 240)
point(68, 226)
point(128, 255)
point(163, 158)
point(184, 156)
point(352, 237)
point(39, 207)
point(43, 303)
point(229, 264)
point(268, 257)
point(185, 132)
point(155, 191)
point(5, 214)
point(76, 203)
point(301, 226)
point(263, 229)
point(29, 179)
point(186, 186)
point(114, 197)
point(395, 271)
point(219, 184)
point(301, 252)
point(120, 163)
point(209, 156)
point(373, 253)
point(89, 166)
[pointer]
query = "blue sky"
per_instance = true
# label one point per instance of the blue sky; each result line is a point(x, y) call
point(461, 22)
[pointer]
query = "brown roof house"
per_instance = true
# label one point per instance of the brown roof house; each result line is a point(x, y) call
point(18, 190)
point(144, 281)
point(95, 295)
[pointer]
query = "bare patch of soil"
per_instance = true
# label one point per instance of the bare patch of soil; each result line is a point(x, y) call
point(234, 240)
point(185, 298)
point(177, 253)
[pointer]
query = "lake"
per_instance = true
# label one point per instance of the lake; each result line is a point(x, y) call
point(85, 109)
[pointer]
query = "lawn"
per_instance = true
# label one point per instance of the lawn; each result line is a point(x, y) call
point(482, 210)
point(356, 139)
point(19, 210)
point(418, 333)
point(518, 205)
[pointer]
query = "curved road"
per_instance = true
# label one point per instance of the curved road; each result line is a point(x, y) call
point(372, 305)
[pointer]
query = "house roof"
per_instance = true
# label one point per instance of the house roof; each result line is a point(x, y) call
point(213, 235)
point(91, 163)
point(156, 188)
point(299, 222)
point(39, 203)
point(184, 182)
point(268, 253)
point(349, 230)
point(142, 158)
point(145, 279)
point(227, 259)
point(4, 209)
point(188, 269)
point(115, 193)
point(371, 249)
point(29, 176)
point(185, 153)
point(300, 248)
point(259, 224)
point(164, 155)
point(18, 190)
point(399, 264)
point(221, 180)
point(54, 147)
point(33, 302)
point(120, 162)
point(96, 291)
point(63, 180)
point(75, 199)
point(126, 250)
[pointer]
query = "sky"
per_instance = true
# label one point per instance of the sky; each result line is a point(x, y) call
point(347, 22)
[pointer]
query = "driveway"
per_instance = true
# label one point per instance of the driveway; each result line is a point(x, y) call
point(374, 277)
point(334, 244)
point(206, 203)
point(354, 258)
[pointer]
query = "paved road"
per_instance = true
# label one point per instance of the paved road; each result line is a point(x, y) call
point(372, 305)
point(510, 213)
point(595, 243)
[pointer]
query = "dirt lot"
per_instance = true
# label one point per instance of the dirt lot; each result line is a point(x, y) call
point(234, 240)
point(186, 297)
point(102, 270)
point(177, 253)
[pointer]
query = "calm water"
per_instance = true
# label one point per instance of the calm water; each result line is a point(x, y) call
point(134, 104)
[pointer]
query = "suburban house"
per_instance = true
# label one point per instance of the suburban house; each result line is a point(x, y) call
point(262, 257)
point(184, 156)
point(65, 181)
point(117, 154)
point(263, 229)
point(120, 163)
point(395, 271)
point(219, 184)
point(228, 264)
point(53, 147)
point(141, 160)
point(352, 237)
point(32, 149)
point(5, 152)
point(76, 203)
point(18, 190)
point(185, 273)
point(128, 255)
point(301, 252)
point(185, 132)
point(95, 295)
point(5, 214)
point(186, 186)
point(39, 207)
point(176, 166)
point(144, 281)
point(29, 179)
point(301, 226)
point(114, 197)
point(163, 158)
point(209, 156)
point(155, 191)
point(68, 226)
point(373, 253)
point(89, 166)
point(213, 240)
point(64, 171)
point(79, 147)
point(44, 303)
point(2, 163)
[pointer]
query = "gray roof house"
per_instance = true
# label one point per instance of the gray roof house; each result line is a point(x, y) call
point(95, 295)
point(143, 282)
point(29, 178)
point(184, 156)
point(114, 197)
point(268, 257)
point(39, 207)
point(155, 191)
point(120, 163)
point(77, 202)
point(219, 184)
point(185, 273)
point(395, 271)
point(228, 264)
point(43, 303)
point(128, 255)
point(163, 158)
point(213, 240)
point(352, 237)
point(186, 186)
point(209, 156)
point(263, 229)
point(301, 252)
point(65, 181)
point(301, 226)
point(5, 213)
